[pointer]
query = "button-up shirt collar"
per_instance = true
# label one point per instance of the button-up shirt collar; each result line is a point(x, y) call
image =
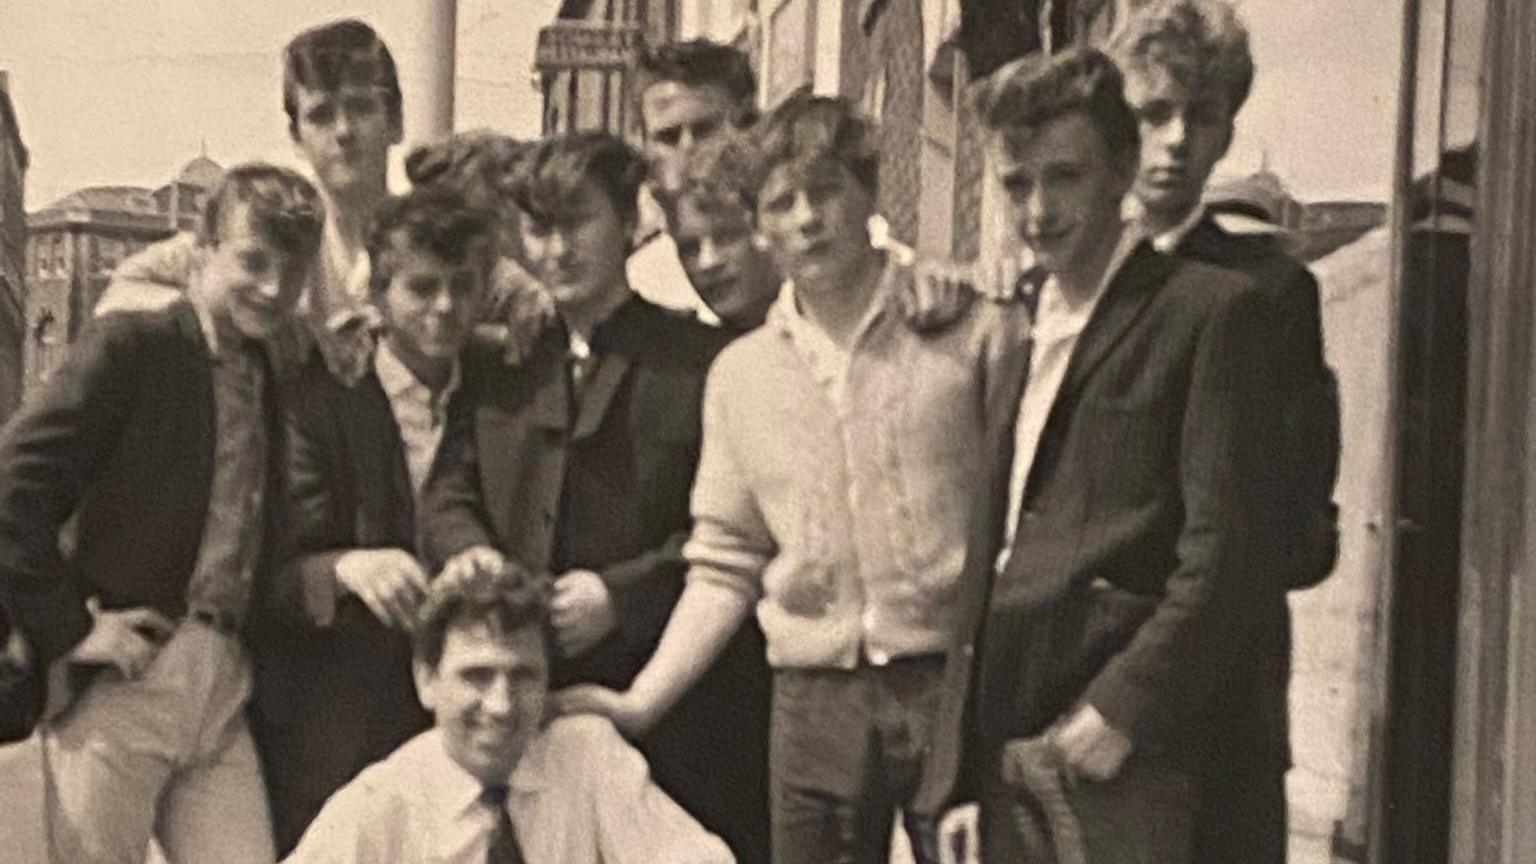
point(1167, 241)
point(419, 413)
point(827, 359)
point(1054, 333)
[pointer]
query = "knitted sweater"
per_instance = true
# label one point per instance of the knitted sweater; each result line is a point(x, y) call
point(836, 494)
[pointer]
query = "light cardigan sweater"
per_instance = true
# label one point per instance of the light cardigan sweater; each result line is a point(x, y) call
point(835, 491)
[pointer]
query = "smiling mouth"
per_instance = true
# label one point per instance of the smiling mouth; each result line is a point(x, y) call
point(1167, 174)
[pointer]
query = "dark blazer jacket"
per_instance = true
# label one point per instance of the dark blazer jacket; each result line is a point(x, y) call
point(121, 438)
point(1308, 388)
point(1137, 577)
point(605, 486)
point(334, 690)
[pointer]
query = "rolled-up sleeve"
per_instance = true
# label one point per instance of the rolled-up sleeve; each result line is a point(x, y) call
point(730, 544)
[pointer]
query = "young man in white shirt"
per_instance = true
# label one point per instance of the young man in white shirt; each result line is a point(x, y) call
point(492, 783)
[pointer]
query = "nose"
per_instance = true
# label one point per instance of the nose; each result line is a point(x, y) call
point(709, 255)
point(556, 245)
point(443, 301)
point(805, 215)
point(1175, 133)
point(1038, 209)
point(496, 699)
point(343, 125)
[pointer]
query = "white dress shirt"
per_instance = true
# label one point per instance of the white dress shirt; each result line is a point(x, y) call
point(579, 795)
point(1054, 333)
point(1169, 240)
point(419, 413)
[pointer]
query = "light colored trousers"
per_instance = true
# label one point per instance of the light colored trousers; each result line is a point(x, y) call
point(167, 755)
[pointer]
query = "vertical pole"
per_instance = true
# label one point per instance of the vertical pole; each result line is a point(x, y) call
point(1377, 835)
point(429, 109)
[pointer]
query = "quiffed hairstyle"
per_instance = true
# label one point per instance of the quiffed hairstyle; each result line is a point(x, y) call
point(546, 178)
point(807, 129)
point(335, 55)
point(1031, 92)
point(507, 600)
point(1201, 43)
point(701, 63)
point(436, 220)
point(477, 165)
point(282, 207)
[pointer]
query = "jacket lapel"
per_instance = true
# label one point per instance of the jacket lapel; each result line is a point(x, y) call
point(599, 392)
point(381, 435)
point(199, 359)
point(1124, 300)
point(551, 402)
point(629, 332)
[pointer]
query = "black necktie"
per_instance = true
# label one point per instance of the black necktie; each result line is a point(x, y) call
point(503, 847)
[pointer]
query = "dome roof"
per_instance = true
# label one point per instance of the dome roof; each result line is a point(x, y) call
point(202, 172)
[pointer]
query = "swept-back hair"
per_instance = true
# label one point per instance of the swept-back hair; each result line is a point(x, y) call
point(334, 55)
point(282, 207)
point(546, 179)
point(436, 220)
point(807, 129)
point(1032, 91)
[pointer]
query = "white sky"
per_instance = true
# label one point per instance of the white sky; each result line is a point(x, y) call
point(126, 91)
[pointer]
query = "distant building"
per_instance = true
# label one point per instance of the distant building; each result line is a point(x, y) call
point(77, 241)
point(584, 62)
point(13, 253)
point(1311, 229)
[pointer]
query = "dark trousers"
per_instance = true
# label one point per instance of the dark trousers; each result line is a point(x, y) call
point(1145, 815)
point(846, 750)
point(1242, 818)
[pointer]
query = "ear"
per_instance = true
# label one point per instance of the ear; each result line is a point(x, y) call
point(396, 129)
point(426, 680)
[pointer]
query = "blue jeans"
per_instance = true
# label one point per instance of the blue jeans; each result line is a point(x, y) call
point(846, 751)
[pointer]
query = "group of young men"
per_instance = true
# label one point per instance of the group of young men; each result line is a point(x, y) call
point(362, 528)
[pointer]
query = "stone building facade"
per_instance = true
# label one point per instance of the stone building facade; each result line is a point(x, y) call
point(75, 243)
point(13, 250)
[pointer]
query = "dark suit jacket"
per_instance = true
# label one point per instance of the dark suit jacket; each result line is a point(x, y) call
point(334, 691)
point(605, 486)
point(602, 486)
point(1308, 524)
point(122, 438)
point(1138, 572)
point(1234, 797)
